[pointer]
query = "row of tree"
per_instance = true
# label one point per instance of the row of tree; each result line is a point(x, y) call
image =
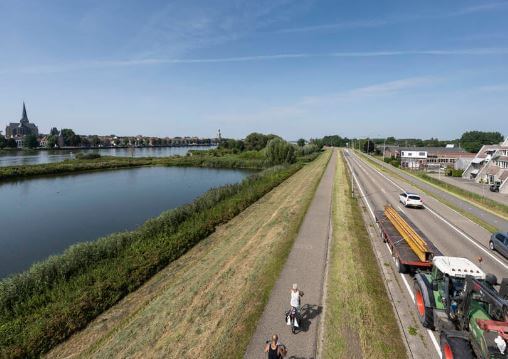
point(471, 141)
point(275, 149)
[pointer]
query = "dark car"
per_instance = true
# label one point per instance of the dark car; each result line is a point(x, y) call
point(499, 242)
point(494, 187)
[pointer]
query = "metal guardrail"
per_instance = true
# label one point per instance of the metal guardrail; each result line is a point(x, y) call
point(413, 239)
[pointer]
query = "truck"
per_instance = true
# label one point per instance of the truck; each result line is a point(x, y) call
point(452, 294)
point(457, 299)
point(410, 248)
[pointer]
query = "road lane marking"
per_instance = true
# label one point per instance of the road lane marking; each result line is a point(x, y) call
point(479, 246)
point(429, 332)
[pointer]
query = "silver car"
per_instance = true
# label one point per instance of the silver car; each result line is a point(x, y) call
point(499, 242)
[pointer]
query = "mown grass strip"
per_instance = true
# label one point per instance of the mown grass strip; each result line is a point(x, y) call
point(53, 299)
point(463, 212)
point(359, 321)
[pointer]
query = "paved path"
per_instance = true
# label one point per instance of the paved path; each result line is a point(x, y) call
point(472, 186)
point(488, 217)
point(305, 266)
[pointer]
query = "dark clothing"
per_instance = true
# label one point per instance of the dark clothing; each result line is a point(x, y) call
point(273, 353)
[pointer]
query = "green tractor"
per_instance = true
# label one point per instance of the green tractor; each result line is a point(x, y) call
point(460, 301)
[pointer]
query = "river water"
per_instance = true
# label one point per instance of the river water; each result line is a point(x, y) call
point(16, 158)
point(44, 216)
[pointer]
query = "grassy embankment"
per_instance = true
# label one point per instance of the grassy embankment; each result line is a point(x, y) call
point(55, 298)
point(252, 159)
point(359, 320)
point(207, 302)
point(463, 212)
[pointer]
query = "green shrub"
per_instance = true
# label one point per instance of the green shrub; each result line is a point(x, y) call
point(395, 163)
point(44, 305)
point(88, 156)
point(279, 152)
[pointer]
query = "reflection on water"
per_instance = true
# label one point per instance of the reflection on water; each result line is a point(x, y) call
point(13, 158)
point(43, 216)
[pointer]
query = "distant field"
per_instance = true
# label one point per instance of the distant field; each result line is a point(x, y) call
point(359, 321)
point(207, 302)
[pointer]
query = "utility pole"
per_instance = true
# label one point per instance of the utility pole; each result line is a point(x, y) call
point(384, 149)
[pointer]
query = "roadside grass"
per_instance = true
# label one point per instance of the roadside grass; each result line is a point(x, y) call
point(359, 321)
point(463, 212)
point(207, 302)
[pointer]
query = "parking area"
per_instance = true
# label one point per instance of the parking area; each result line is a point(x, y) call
point(469, 185)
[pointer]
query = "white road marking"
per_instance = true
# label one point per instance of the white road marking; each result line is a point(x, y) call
point(485, 250)
point(429, 332)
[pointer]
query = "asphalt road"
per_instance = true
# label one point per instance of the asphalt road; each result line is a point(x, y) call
point(306, 265)
point(452, 233)
point(488, 217)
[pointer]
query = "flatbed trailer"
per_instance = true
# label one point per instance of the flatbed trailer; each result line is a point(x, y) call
point(406, 260)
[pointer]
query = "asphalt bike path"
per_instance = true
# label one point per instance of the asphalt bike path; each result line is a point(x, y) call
point(306, 265)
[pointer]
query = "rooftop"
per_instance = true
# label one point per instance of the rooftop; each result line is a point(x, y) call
point(458, 267)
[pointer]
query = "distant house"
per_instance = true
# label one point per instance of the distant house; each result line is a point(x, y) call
point(43, 141)
point(22, 128)
point(427, 157)
point(490, 165)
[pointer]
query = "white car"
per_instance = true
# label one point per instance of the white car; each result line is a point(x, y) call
point(411, 200)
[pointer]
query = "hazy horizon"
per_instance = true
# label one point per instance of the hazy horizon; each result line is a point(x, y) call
point(294, 68)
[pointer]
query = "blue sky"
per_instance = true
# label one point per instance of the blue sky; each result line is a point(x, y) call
point(302, 68)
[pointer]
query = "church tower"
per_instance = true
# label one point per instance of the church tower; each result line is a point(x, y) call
point(24, 117)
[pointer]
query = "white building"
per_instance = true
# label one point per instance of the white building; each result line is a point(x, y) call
point(490, 166)
point(413, 159)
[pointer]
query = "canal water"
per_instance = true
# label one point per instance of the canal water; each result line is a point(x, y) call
point(16, 158)
point(44, 216)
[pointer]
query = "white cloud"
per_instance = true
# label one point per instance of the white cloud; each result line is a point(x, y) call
point(98, 64)
point(304, 108)
point(494, 88)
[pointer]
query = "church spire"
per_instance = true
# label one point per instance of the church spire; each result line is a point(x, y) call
point(24, 117)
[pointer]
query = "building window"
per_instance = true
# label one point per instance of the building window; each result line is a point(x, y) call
point(421, 154)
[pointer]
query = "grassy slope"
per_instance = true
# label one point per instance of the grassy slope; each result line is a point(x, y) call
point(359, 321)
point(466, 214)
point(207, 302)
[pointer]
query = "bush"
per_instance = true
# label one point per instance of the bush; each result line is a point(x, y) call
point(88, 156)
point(279, 152)
point(457, 173)
point(44, 305)
point(395, 163)
point(307, 150)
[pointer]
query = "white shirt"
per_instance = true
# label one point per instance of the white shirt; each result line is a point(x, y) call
point(295, 298)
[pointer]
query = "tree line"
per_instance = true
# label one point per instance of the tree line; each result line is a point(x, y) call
point(471, 141)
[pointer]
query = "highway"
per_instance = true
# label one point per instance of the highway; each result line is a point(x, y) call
point(451, 233)
point(486, 216)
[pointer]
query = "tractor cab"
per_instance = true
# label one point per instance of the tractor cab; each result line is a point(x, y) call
point(448, 279)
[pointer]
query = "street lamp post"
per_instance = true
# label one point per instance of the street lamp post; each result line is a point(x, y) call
point(384, 149)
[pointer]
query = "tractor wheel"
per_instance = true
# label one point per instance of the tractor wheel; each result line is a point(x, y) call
point(401, 268)
point(425, 314)
point(455, 348)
